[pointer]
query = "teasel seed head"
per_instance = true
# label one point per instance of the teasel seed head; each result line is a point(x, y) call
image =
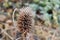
point(25, 19)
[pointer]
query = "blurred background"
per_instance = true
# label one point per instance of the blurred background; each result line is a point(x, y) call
point(46, 16)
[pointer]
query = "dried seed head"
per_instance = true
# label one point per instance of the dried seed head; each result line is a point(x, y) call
point(25, 19)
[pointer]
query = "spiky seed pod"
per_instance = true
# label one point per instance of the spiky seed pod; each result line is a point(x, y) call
point(25, 18)
point(24, 21)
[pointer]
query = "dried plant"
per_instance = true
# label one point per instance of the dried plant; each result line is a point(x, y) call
point(24, 21)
